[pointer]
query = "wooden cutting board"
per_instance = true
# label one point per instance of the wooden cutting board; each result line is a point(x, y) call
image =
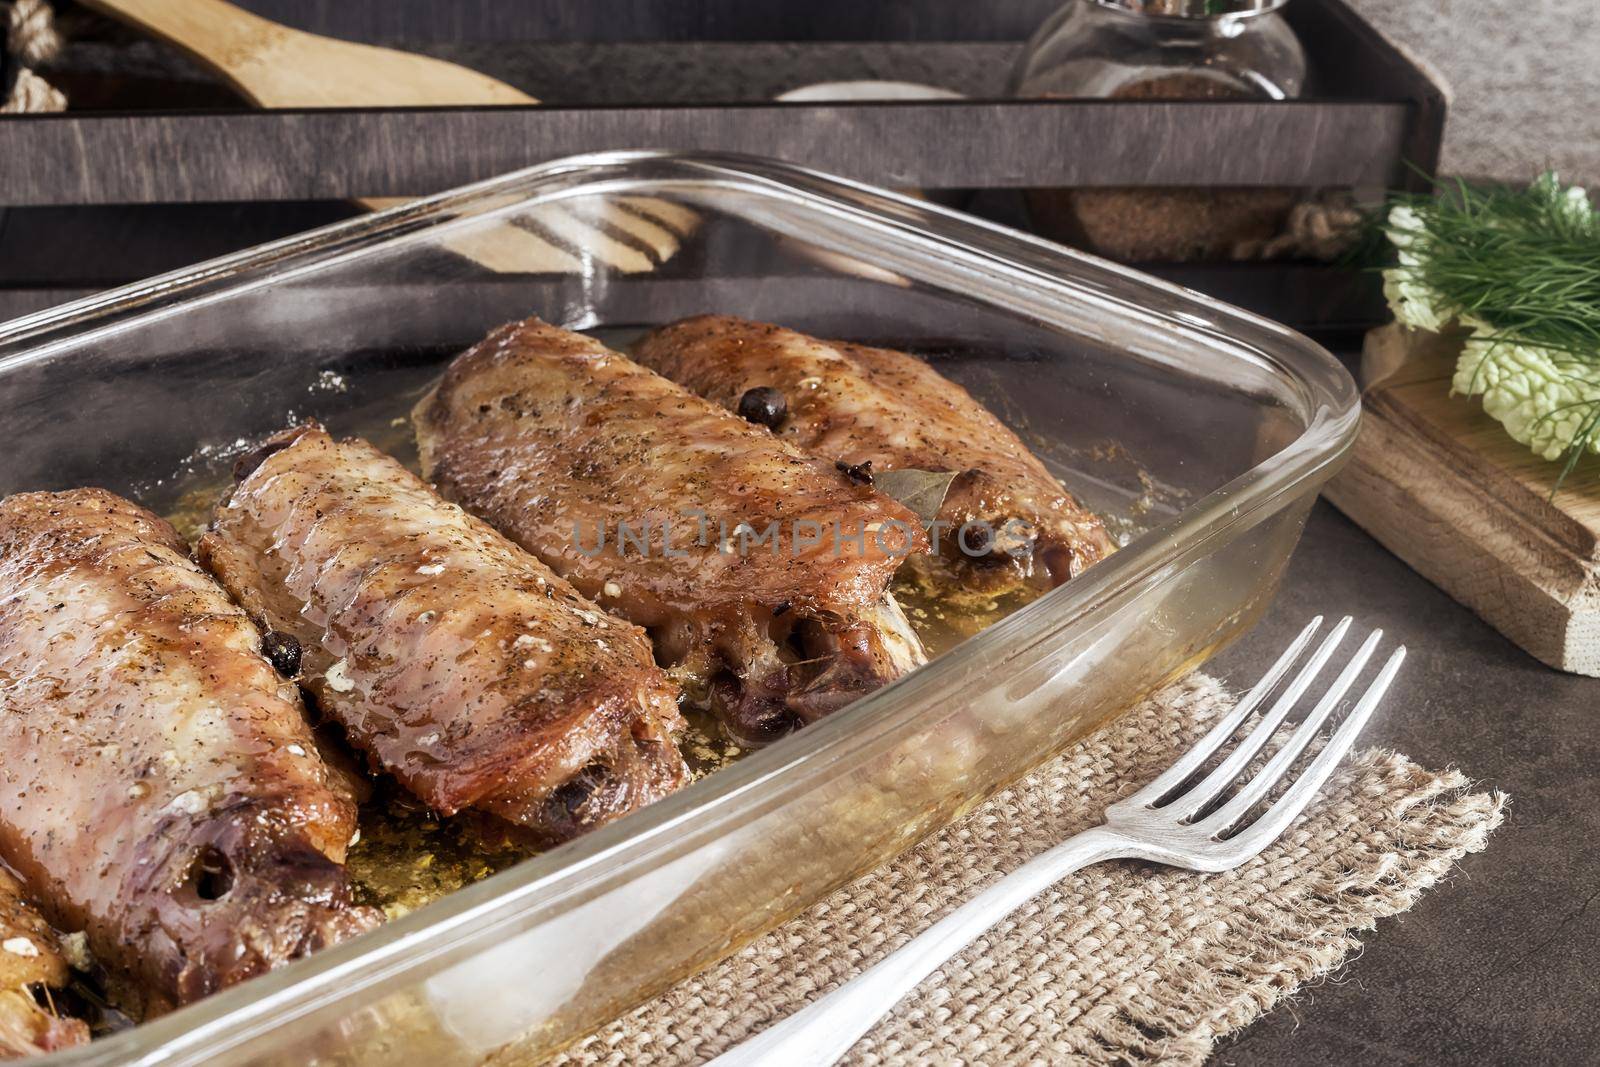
point(1443, 487)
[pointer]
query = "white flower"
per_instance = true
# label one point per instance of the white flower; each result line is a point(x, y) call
point(1413, 303)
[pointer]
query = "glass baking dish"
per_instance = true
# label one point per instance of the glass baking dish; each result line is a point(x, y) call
point(1203, 433)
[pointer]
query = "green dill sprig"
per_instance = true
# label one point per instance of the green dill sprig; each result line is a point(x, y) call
point(1523, 267)
point(1524, 261)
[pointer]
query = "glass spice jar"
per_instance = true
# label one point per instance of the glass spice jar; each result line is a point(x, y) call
point(1163, 50)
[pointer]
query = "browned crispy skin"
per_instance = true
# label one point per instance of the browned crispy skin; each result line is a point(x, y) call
point(561, 443)
point(160, 787)
point(460, 664)
point(856, 404)
point(31, 965)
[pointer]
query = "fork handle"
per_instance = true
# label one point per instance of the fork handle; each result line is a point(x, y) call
point(824, 1030)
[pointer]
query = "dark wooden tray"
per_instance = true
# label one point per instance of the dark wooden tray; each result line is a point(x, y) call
point(1373, 114)
point(1374, 121)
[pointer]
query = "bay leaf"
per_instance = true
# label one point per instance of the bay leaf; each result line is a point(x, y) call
point(921, 491)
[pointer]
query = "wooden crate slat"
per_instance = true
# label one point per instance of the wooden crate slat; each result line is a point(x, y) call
point(309, 155)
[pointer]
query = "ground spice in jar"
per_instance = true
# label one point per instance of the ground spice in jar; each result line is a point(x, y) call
point(1164, 223)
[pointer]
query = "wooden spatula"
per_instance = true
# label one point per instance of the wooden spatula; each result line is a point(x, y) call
point(275, 66)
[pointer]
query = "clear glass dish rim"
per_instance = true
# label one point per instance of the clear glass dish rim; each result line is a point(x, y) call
point(852, 736)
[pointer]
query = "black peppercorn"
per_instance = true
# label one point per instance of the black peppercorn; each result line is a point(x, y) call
point(976, 539)
point(765, 405)
point(860, 473)
point(984, 545)
point(283, 652)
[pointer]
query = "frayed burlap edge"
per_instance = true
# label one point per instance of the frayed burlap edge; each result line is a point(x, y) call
point(1122, 963)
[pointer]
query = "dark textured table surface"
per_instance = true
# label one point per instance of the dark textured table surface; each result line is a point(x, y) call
point(1495, 965)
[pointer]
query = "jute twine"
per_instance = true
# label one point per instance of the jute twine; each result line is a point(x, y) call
point(1324, 228)
point(1124, 962)
point(32, 38)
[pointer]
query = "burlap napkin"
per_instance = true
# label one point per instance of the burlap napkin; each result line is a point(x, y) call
point(1125, 961)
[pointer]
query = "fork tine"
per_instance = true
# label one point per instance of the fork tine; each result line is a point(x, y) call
point(1252, 791)
point(1212, 785)
point(1191, 761)
point(1283, 811)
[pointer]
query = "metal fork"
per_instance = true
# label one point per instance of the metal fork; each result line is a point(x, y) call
point(1169, 821)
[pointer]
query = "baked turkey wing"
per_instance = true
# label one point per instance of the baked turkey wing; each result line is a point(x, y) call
point(855, 405)
point(160, 789)
point(760, 571)
point(456, 661)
